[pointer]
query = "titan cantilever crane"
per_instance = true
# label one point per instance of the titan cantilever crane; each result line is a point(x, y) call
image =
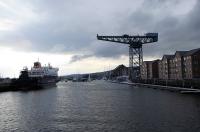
point(135, 48)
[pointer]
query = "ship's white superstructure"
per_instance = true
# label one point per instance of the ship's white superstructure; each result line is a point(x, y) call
point(43, 71)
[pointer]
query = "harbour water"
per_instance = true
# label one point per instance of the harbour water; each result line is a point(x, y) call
point(99, 106)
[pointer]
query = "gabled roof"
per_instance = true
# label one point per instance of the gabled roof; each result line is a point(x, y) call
point(168, 56)
point(181, 53)
point(120, 66)
point(191, 52)
point(147, 61)
point(150, 62)
point(156, 60)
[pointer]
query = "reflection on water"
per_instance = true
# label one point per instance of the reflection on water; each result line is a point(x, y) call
point(99, 106)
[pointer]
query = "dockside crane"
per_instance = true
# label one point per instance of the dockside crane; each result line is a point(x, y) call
point(135, 49)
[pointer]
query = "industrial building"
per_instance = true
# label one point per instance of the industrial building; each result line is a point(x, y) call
point(120, 70)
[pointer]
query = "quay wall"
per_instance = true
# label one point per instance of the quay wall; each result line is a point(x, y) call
point(174, 83)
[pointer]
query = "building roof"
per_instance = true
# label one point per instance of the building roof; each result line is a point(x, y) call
point(120, 66)
point(187, 53)
point(181, 53)
point(168, 56)
point(191, 52)
point(156, 60)
point(150, 62)
point(147, 61)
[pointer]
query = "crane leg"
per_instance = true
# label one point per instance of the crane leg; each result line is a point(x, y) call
point(131, 53)
point(135, 62)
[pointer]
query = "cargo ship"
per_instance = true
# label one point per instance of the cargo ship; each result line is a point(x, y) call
point(37, 77)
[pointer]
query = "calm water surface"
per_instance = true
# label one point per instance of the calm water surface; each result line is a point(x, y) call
point(99, 106)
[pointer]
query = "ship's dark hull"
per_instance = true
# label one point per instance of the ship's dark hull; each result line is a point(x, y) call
point(25, 82)
point(46, 81)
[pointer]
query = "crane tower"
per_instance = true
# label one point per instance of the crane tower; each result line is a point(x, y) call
point(135, 49)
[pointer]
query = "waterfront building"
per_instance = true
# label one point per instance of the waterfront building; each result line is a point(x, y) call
point(153, 69)
point(172, 69)
point(181, 65)
point(145, 70)
point(176, 66)
point(164, 66)
point(149, 69)
point(191, 64)
point(120, 70)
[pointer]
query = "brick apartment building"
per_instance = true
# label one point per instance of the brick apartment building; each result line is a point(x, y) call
point(191, 64)
point(176, 65)
point(164, 66)
point(185, 65)
point(145, 70)
point(154, 69)
point(149, 69)
point(181, 65)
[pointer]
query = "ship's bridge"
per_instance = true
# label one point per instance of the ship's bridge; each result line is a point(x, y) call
point(38, 71)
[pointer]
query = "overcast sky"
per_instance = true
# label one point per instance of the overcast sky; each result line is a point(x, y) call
point(63, 32)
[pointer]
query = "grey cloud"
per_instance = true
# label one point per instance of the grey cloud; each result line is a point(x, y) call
point(175, 32)
point(109, 49)
point(71, 27)
point(76, 58)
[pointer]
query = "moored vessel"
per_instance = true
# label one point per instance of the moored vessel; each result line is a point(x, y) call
point(38, 76)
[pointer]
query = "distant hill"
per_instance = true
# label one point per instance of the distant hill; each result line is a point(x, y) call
point(118, 71)
point(96, 75)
